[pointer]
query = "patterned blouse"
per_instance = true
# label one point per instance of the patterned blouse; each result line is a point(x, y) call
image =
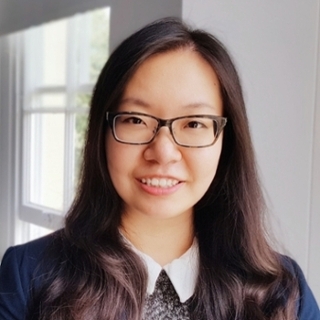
point(164, 302)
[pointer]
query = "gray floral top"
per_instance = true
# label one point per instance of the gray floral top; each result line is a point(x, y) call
point(164, 303)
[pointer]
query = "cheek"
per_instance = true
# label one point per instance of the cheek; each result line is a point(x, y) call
point(116, 164)
point(114, 156)
point(206, 165)
point(121, 159)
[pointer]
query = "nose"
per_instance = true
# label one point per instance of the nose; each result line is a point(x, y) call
point(163, 149)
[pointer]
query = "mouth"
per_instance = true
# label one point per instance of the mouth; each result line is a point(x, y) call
point(159, 182)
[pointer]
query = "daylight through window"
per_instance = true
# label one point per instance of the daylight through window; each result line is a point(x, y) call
point(62, 60)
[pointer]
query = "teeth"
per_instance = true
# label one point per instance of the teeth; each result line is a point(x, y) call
point(162, 183)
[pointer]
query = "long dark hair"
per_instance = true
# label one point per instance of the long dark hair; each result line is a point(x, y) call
point(96, 276)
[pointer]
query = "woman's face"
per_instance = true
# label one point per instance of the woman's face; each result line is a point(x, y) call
point(162, 179)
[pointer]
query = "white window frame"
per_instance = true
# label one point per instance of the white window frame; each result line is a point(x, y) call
point(13, 230)
point(46, 217)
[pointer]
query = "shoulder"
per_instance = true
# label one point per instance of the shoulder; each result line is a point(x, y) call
point(20, 267)
point(27, 256)
point(307, 306)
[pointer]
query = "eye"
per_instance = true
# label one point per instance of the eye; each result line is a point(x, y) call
point(132, 120)
point(195, 124)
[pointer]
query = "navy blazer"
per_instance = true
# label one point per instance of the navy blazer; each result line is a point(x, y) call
point(20, 262)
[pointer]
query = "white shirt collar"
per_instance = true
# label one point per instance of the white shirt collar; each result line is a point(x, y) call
point(182, 272)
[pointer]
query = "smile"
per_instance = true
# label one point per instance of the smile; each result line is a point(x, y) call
point(160, 183)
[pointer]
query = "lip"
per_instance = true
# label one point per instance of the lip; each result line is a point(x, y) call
point(171, 186)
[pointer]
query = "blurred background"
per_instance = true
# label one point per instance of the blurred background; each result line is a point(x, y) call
point(51, 52)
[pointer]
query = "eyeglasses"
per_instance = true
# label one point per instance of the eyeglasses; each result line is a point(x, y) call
point(195, 131)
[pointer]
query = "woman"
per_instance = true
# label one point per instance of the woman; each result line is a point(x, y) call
point(168, 219)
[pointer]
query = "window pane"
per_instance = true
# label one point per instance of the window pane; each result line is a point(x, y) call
point(99, 41)
point(37, 232)
point(62, 61)
point(80, 130)
point(47, 160)
point(83, 100)
point(49, 100)
point(54, 53)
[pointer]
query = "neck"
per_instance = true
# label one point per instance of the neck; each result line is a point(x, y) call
point(162, 239)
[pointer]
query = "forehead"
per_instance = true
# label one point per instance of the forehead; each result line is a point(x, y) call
point(175, 80)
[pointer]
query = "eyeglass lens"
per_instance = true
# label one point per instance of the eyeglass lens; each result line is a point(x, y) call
point(188, 131)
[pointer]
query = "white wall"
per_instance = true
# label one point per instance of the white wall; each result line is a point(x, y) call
point(275, 46)
point(18, 14)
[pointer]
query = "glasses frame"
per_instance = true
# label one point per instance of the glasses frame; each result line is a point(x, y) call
point(220, 121)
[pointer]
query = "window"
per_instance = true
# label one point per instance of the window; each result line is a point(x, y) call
point(30, 104)
point(61, 61)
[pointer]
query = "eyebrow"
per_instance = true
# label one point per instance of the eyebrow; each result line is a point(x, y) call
point(135, 101)
point(141, 103)
point(198, 105)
